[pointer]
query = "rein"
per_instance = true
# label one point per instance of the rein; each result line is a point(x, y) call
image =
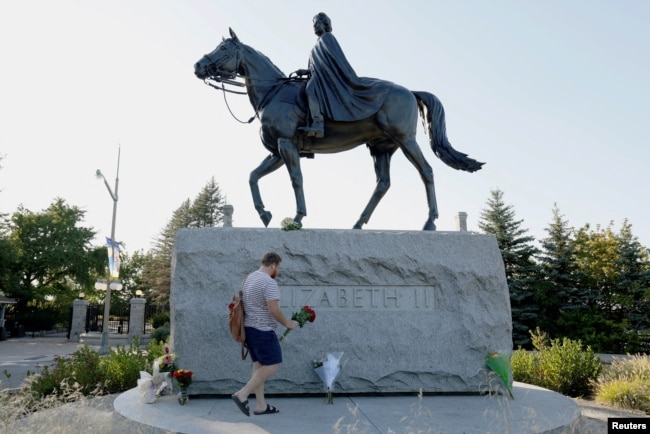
point(269, 95)
point(223, 88)
point(224, 81)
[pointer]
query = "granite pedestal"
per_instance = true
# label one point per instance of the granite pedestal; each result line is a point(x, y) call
point(412, 311)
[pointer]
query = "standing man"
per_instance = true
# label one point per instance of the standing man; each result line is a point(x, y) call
point(334, 90)
point(261, 317)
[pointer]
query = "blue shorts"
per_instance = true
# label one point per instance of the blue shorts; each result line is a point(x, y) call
point(263, 346)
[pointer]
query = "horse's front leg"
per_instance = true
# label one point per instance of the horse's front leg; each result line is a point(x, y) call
point(291, 156)
point(270, 164)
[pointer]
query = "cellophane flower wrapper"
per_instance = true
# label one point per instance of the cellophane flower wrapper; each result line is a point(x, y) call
point(162, 381)
point(500, 364)
point(147, 387)
point(328, 371)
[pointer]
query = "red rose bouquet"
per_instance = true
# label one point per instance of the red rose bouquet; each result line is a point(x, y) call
point(305, 314)
point(183, 377)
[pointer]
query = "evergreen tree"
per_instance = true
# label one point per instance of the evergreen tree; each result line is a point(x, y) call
point(207, 207)
point(633, 289)
point(157, 269)
point(206, 210)
point(520, 268)
point(558, 290)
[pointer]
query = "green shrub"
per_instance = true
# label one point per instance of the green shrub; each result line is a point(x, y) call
point(122, 367)
point(625, 384)
point(155, 349)
point(86, 373)
point(86, 370)
point(161, 333)
point(91, 373)
point(81, 370)
point(562, 366)
point(159, 319)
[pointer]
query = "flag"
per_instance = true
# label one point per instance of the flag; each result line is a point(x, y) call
point(113, 258)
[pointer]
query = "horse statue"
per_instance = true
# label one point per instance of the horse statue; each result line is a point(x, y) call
point(280, 104)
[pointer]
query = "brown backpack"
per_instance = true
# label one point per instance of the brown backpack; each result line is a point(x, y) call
point(236, 322)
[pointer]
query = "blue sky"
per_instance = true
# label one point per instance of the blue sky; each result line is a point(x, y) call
point(552, 95)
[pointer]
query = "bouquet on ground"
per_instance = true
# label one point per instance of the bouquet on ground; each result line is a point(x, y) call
point(327, 369)
point(163, 366)
point(166, 362)
point(289, 224)
point(147, 387)
point(183, 377)
point(305, 314)
point(500, 364)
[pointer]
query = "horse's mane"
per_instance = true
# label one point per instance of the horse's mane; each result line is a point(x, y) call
point(271, 65)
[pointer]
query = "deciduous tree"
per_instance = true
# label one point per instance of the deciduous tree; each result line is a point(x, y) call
point(54, 259)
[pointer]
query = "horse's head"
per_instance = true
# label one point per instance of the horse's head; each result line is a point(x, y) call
point(223, 61)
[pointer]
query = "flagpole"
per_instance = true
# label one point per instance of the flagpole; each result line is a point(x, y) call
point(103, 346)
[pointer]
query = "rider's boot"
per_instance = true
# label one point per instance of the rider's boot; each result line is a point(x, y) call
point(317, 127)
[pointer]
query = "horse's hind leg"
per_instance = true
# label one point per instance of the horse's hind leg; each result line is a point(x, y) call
point(270, 164)
point(382, 170)
point(414, 154)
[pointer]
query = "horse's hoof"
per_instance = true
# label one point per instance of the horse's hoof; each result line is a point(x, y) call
point(359, 225)
point(429, 226)
point(266, 218)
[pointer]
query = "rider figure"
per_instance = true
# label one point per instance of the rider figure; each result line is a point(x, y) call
point(333, 88)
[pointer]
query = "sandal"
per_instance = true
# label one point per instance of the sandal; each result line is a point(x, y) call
point(243, 406)
point(269, 410)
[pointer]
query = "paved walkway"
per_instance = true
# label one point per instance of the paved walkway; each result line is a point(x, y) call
point(534, 410)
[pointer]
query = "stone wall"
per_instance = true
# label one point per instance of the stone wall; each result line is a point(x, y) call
point(410, 310)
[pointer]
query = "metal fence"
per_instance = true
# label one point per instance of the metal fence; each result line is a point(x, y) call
point(118, 321)
point(41, 324)
point(151, 311)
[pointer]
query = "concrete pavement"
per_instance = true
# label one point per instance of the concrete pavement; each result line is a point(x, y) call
point(19, 355)
point(534, 410)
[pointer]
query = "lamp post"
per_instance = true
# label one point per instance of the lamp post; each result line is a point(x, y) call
point(103, 346)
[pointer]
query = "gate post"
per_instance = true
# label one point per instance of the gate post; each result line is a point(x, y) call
point(136, 318)
point(78, 323)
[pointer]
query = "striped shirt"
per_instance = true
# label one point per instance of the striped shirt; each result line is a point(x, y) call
point(259, 288)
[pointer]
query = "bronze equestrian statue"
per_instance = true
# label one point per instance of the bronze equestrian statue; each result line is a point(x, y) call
point(389, 118)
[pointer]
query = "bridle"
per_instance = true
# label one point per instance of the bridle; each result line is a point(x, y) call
point(225, 77)
point(229, 78)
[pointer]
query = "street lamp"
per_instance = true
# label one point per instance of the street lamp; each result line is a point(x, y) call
point(103, 346)
point(103, 285)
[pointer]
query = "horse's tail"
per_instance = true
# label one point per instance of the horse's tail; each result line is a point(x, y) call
point(434, 123)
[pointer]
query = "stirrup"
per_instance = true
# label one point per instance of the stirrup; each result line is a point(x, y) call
point(315, 130)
